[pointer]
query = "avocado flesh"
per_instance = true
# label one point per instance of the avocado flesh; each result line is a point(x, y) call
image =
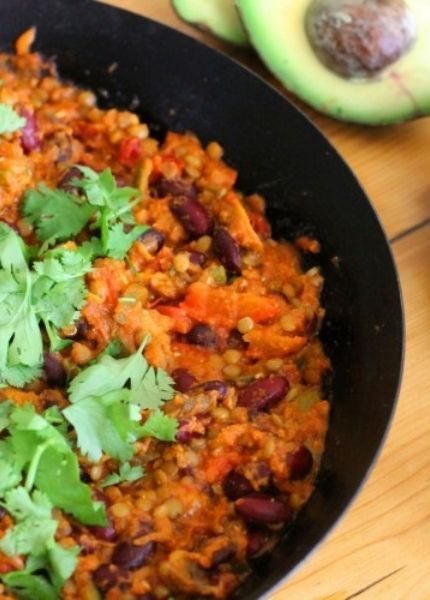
point(277, 31)
point(219, 16)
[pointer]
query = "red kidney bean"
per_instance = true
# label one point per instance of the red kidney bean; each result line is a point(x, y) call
point(105, 577)
point(30, 139)
point(258, 541)
point(107, 533)
point(68, 176)
point(227, 250)
point(300, 463)
point(175, 187)
point(192, 215)
point(202, 335)
point(197, 258)
point(263, 509)
point(145, 597)
point(130, 556)
point(153, 240)
point(183, 380)
point(55, 373)
point(236, 485)
point(263, 393)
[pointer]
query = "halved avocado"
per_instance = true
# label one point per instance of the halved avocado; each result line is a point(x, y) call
point(220, 17)
point(298, 40)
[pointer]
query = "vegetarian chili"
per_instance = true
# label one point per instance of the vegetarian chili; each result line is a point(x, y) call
point(161, 400)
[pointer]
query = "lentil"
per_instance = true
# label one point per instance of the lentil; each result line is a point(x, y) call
point(245, 325)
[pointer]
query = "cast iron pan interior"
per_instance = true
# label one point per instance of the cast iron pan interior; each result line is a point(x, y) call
point(182, 85)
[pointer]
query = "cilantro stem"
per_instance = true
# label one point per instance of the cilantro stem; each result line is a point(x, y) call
point(104, 230)
point(127, 208)
point(32, 470)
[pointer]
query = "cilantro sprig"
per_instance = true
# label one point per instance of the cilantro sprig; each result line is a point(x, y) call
point(35, 452)
point(106, 403)
point(10, 120)
point(51, 292)
point(20, 338)
point(33, 535)
point(59, 215)
point(40, 471)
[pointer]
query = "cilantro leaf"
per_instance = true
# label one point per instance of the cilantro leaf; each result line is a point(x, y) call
point(55, 418)
point(62, 563)
point(10, 120)
point(53, 293)
point(105, 424)
point(92, 248)
point(33, 535)
point(160, 426)
point(62, 265)
point(119, 242)
point(105, 414)
point(41, 451)
point(29, 536)
point(101, 190)
point(127, 472)
point(114, 210)
point(13, 251)
point(10, 467)
point(28, 586)
point(108, 374)
point(58, 476)
point(19, 504)
point(59, 291)
point(153, 389)
point(57, 215)
point(59, 303)
point(20, 337)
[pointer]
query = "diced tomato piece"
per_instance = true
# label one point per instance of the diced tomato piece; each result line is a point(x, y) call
point(130, 151)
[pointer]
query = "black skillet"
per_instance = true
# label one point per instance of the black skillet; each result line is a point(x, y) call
point(177, 83)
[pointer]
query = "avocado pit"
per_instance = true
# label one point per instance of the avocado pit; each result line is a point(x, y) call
point(359, 38)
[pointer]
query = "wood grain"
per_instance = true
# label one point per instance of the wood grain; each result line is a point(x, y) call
point(381, 548)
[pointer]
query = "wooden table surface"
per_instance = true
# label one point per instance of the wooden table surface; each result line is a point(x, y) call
point(381, 547)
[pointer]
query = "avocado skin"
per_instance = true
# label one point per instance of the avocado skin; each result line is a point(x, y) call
point(220, 17)
point(277, 30)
